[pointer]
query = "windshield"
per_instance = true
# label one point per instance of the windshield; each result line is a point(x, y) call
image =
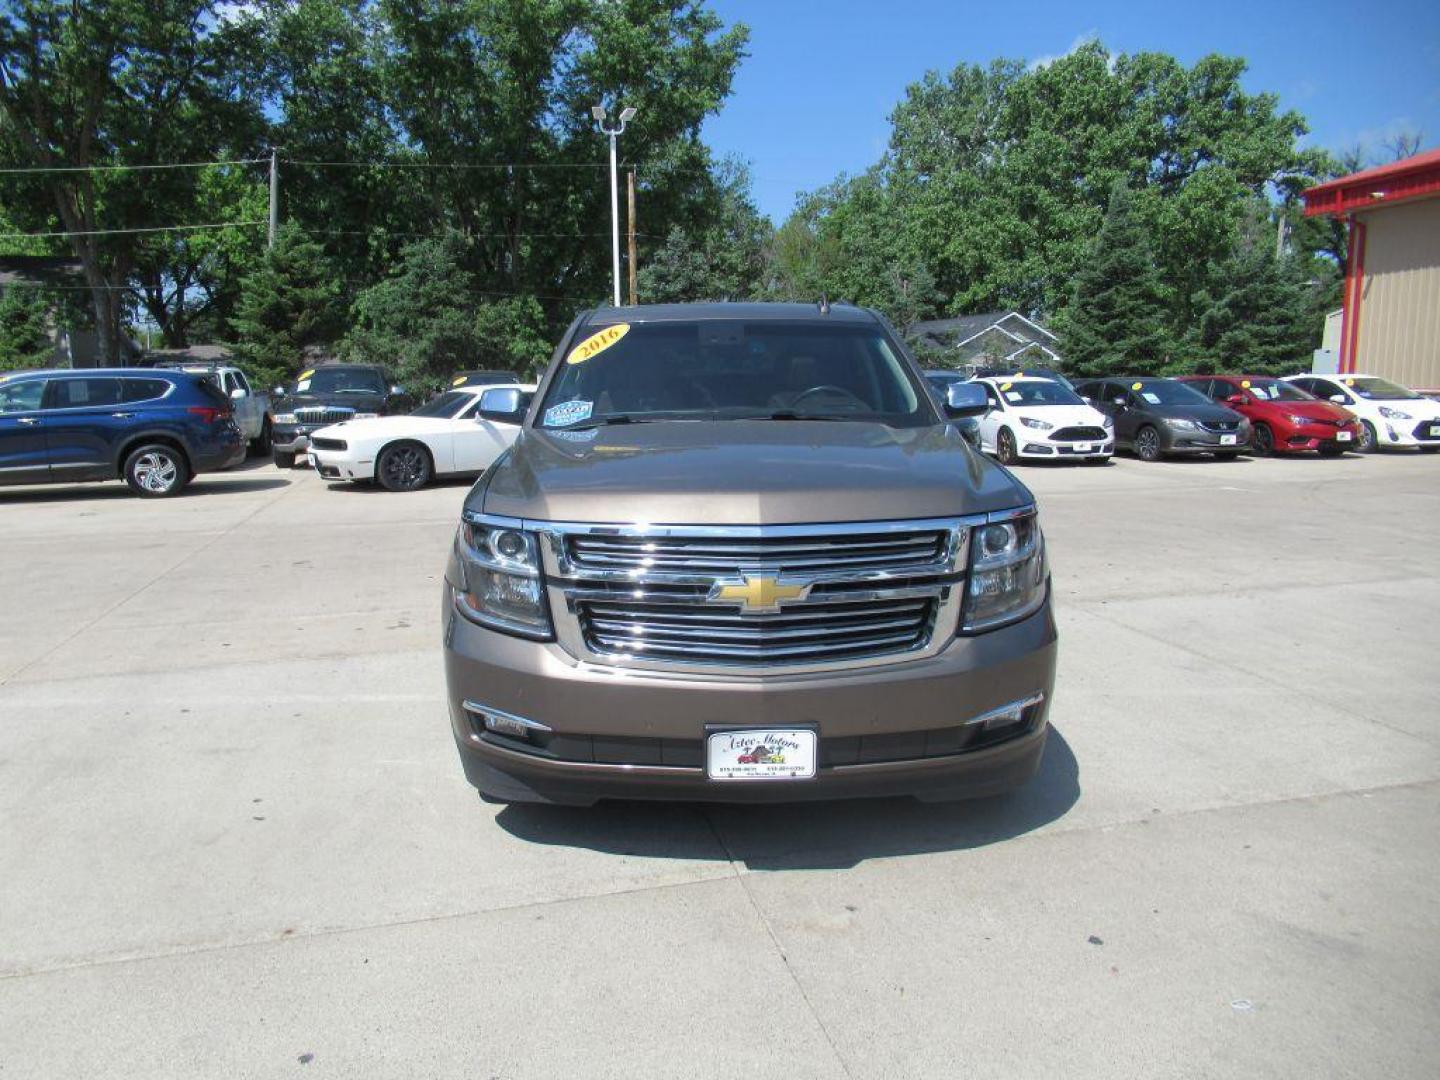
point(340, 381)
point(1167, 392)
point(1275, 390)
point(1038, 392)
point(1372, 389)
point(731, 370)
point(448, 405)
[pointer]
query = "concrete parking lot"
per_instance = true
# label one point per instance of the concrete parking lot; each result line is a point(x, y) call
point(237, 841)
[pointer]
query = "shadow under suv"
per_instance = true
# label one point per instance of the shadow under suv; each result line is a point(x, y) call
point(154, 429)
point(738, 552)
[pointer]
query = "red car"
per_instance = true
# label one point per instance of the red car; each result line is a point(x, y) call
point(1286, 419)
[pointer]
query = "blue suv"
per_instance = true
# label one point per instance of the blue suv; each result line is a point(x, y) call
point(153, 429)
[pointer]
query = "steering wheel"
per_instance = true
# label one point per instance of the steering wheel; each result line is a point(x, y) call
point(828, 388)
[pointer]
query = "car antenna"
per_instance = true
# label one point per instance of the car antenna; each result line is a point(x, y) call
point(824, 305)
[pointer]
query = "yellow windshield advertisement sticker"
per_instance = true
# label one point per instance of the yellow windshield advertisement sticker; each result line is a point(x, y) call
point(1245, 383)
point(597, 343)
point(1136, 385)
point(1349, 382)
point(1006, 386)
point(305, 374)
point(459, 381)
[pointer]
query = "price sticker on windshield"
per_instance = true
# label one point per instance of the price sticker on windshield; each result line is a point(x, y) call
point(597, 343)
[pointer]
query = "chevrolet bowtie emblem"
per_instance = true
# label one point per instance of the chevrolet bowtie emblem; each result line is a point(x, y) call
point(762, 593)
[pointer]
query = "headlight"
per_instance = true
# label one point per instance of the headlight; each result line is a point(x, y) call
point(1394, 414)
point(1299, 421)
point(1180, 425)
point(499, 583)
point(1007, 573)
point(1038, 425)
point(284, 418)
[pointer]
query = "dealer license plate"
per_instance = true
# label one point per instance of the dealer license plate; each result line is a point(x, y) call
point(1435, 431)
point(1082, 448)
point(1342, 436)
point(1227, 440)
point(761, 754)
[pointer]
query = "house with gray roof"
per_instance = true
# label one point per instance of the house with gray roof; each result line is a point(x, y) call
point(991, 339)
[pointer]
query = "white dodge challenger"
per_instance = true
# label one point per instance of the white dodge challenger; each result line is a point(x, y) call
point(443, 437)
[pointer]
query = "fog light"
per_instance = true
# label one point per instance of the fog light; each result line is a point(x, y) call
point(503, 723)
point(1007, 715)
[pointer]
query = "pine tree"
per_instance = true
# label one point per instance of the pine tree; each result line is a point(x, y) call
point(290, 301)
point(1117, 321)
point(25, 338)
point(1264, 319)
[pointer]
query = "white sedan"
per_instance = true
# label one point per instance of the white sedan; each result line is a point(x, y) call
point(1039, 419)
point(441, 438)
point(1390, 415)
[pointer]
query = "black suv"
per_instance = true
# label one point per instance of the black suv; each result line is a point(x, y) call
point(328, 395)
point(155, 429)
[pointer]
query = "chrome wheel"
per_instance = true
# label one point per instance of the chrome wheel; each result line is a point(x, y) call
point(404, 468)
point(1005, 447)
point(156, 472)
point(1147, 444)
point(1367, 440)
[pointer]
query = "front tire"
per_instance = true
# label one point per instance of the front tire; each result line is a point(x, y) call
point(1263, 441)
point(1369, 441)
point(1005, 449)
point(1147, 444)
point(261, 443)
point(156, 471)
point(284, 459)
point(403, 467)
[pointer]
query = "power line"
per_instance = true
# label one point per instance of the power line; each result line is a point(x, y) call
point(129, 168)
point(446, 164)
point(118, 232)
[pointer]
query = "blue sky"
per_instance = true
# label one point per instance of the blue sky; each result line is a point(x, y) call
point(812, 99)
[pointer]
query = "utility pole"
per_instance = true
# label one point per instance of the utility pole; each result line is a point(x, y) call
point(274, 194)
point(625, 116)
point(630, 223)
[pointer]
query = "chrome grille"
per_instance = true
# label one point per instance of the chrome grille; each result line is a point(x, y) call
point(730, 555)
point(323, 414)
point(662, 597)
point(725, 635)
point(1220, 426)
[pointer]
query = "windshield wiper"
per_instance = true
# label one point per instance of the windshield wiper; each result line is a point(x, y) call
point(606, 421)
point(791, 414)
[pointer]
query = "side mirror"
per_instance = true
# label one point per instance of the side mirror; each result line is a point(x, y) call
point(965, 399)
point(397, 391)
point(1235, 399)
point(1339, 399)
point(1118, 401)
point(237, 394)
point(279, 391)
point(505, 405)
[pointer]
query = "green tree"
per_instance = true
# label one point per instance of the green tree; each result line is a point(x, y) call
point(511, 334)
point(122, 83)
point(719, 259)
point(291, 300)
point(1116, 322)
point(25, 328)
point(1262, 318)
point(421, 320)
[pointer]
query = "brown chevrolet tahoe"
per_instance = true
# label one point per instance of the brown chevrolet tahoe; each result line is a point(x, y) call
point(740, 553)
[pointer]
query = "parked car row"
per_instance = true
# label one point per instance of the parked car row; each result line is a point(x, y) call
point(1039, 415)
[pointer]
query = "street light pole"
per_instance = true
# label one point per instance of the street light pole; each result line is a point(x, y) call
point(626, 115)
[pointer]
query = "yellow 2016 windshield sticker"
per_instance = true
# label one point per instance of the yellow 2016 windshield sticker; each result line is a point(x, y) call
point(597, 343)
point(1245, 384)
point(459, 380)
point(305, 374)
point(1006, 386)
point(1136, 385)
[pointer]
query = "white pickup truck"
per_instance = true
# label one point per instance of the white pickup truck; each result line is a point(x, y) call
point(251, 406)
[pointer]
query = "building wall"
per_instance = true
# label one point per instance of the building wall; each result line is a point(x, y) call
point(1399, 311)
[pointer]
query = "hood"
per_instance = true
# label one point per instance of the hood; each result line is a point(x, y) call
point(744, 473)
point(1064, 415)
point(1203, 412)
point(1312, 410)
point(379, 426)
point(360, 402)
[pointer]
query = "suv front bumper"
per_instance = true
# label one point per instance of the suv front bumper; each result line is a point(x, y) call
point(889, 730)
